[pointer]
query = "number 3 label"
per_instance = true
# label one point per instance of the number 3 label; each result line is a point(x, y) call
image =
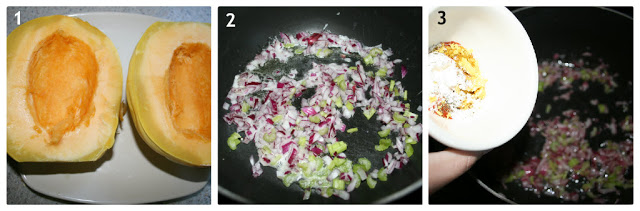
point(231, 24)
point(444, 20)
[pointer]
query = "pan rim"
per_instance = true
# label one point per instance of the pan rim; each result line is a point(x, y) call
point(396, 195)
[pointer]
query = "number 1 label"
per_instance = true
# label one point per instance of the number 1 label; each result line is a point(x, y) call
point(18, 16)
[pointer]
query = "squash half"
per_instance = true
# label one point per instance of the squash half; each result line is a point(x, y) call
point(169, 90)
point(64, 87)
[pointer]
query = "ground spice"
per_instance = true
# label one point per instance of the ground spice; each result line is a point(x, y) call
point(457, 84)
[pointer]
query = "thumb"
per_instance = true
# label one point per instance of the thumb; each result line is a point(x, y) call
point(447, 165)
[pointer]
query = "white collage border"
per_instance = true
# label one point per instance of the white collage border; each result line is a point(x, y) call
point(214, 4)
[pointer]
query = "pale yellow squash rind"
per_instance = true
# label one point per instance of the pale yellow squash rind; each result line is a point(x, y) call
point(146, 91)
point(87, 142)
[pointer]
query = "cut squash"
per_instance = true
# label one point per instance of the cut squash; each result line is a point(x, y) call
point(64, 88)
point(169, 90)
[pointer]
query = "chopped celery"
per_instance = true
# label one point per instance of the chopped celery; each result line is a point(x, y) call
point(276, 119)
point(343, 85)
point(382, 174)
point(289, 178)
point(365, 163)
point(329, 191)
point(383, 144)
point(381, 147)
point(349, 106)
point(315, 119)
point(337, 147)
point(352, 130)
point(323, 103)
point(405, 95)
point(289, 45)
point(357, 179)
point(305, 168)
point(384, 133)
point(368, 60)
point(305, 183)
point(356, 167)
point(510, 178)
point(245, 107)
point(382, 72)
point(408, 149)
point(573, 162)
point(602, 108)
point(233, 141)
point(271, 136)
point(321, 53)
point(406, 125)
point(299, 51)
point(407, 113)
point(266, 149)
point(323, 131)
point(274, 161)
point(336, 162)
point(338, 184)
point(547, 109)
point(235, 136)
point(399, 118)
point(345, 166)
point(324, 114)
point(293, 92)
point(353, 68)
point(375, 52)
point(410, 140)
point(392, 84)
point(339, 78)
point(369, 113)
point(338, 101)
point(552, 165)
point(385, 141)
point(371, 182)
point(585, 166)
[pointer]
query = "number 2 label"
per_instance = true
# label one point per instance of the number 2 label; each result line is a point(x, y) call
point(231, 24)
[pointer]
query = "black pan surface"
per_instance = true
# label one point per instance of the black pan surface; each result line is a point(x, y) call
point(607, 34)
point(397, 28)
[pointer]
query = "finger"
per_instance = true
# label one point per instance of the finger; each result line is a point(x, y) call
point(445, 166)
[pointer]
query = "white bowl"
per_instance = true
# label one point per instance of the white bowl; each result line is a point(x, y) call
point(506, 58)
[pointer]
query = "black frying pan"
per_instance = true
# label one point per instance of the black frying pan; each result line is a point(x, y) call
point(396, 28)
point(571, 31)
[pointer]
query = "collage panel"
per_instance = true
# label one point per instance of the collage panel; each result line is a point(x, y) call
point(108, 105)
point(320, 105)
point(575, 143)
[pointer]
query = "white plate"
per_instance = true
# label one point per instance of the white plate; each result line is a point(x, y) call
point(506, 58)
point(130, 172)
